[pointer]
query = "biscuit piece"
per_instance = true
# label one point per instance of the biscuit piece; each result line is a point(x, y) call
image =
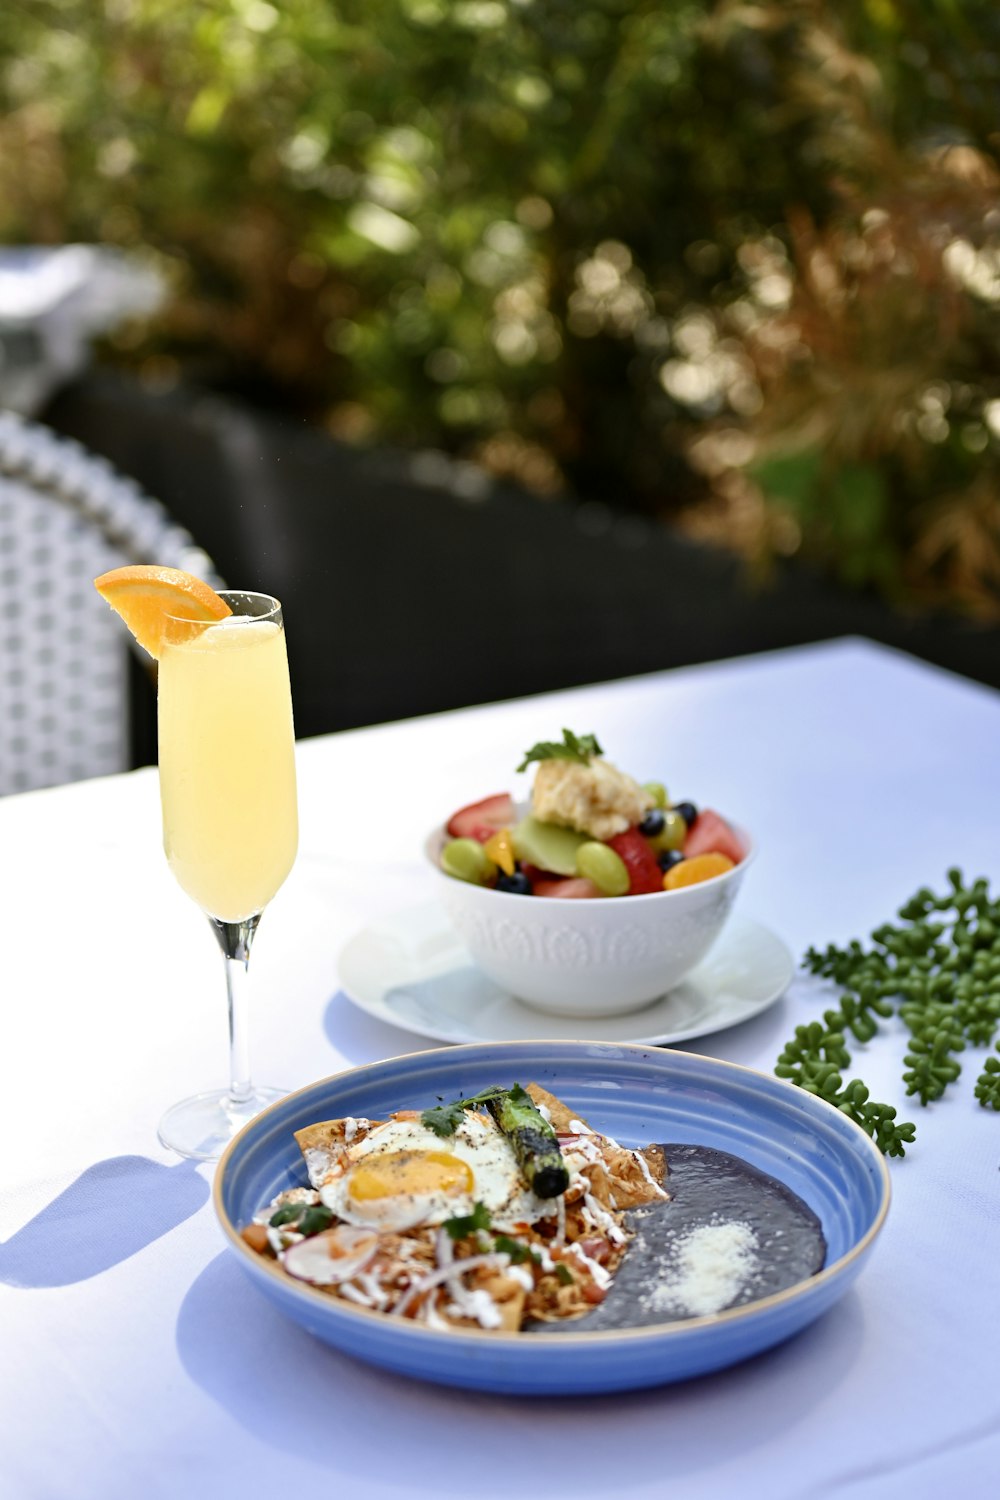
point(597, 798)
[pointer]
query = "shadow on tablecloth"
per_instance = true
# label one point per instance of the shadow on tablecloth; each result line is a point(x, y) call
point(113, 1209)
point(359, 1037)
point(302, 1397)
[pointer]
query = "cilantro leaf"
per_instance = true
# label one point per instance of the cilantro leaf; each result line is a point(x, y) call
point(444, 1119)
point(581, 748)
point(514, 1248)
point(462, 1225)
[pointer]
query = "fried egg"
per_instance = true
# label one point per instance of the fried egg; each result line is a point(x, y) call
point(401, 1174)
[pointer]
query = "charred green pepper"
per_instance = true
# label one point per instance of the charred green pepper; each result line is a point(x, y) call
point(533, 1140)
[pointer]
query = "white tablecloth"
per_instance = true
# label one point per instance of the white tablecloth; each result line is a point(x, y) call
point(138, 1360)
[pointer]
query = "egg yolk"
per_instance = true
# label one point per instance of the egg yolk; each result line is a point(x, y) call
point(398, 1172)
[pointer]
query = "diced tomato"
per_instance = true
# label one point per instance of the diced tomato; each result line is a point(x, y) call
point(575, 887)
point(644, 874)
point(481, 820)
point(597, 1249)
point(710, 834)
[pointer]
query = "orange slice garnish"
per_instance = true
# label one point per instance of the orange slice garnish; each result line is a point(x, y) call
point(151, 600)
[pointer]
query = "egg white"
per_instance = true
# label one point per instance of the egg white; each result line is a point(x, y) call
point(477, 1142)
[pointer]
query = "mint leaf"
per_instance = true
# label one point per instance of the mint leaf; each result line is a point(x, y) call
point(580, 748)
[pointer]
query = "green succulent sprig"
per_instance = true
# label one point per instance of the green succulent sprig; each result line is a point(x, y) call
point(937, 969)
point(988, 1083)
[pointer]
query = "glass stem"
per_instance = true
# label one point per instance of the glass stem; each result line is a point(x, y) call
point(236, 939)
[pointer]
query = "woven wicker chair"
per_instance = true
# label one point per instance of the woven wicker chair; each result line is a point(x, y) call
point(65, 517)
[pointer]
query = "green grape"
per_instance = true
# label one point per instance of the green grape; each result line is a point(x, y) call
point(658, 792)
point(674, 831)
point(466, 859)
point(599, 863)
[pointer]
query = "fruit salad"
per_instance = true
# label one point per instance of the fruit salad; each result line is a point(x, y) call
point(591, 830)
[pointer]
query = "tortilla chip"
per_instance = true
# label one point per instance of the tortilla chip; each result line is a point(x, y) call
point(560, 1114)
point(656, 1161)
point(330, 1134)
point(322, 1146)
point(628, 1183)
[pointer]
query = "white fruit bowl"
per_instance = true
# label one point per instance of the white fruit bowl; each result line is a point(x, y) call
point(601, 956)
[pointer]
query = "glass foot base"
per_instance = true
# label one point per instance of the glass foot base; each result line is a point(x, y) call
point(201, 1127)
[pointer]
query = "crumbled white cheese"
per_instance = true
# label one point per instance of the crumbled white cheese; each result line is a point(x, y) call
point(290, 1195)
point(708, 1267)
point(479, 1305)
point(595, 798)
point(282, 1237)
point(320, 1161)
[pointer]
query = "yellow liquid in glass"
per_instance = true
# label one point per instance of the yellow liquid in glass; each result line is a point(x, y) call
point(227, 766)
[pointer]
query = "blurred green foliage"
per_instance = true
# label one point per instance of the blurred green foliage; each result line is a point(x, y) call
point(738, 264)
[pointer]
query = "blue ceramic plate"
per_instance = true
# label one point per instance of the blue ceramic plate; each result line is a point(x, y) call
point(636, 1094)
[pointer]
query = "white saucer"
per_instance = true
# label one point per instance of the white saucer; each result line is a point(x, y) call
point(411, 970)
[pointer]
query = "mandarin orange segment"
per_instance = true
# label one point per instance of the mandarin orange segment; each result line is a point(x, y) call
point(150, 599)
point(696, 869)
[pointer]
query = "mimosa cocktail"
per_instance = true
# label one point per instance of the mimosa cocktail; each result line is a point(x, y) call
point(230, 823)
point(227, 769)
point(227, 789)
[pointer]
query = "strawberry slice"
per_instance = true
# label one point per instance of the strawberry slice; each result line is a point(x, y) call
point(481, 820)
point(644, 874)
point(575, 887)
point(710, 834)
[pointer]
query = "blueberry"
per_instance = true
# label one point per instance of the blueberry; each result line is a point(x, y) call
point(668, 858)
point(653, 823)
point(515, 885)
point(687, 810)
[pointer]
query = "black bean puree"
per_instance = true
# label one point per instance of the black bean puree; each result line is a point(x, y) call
point(706, 1187)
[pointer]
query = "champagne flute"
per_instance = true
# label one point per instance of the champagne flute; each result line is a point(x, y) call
point(230, 821)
